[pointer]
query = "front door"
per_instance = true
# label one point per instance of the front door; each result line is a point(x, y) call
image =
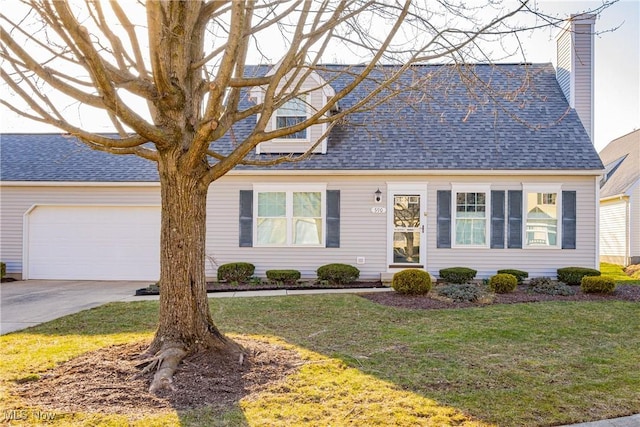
point(406, 218)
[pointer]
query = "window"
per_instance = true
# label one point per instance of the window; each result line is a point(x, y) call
point(272, 218)
point(471, 219)
point(290, 218)
point(471, 225)
point(291, 113)
point(541, 229)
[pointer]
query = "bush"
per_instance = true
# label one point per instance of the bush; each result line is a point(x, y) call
point(572, 276)
point(503, 283)
point(457, 274)
point(460, 292)
point(338, 274)
point(411, 281)
point(544, 285)
point(3, 269)
point(236, 272)
point(520, 275)
point(287, 277)
point(597, 285)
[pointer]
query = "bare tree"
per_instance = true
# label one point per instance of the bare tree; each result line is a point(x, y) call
point(172, 77)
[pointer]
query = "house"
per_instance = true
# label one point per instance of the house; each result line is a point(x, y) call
point(620, 201)
point(507, 179)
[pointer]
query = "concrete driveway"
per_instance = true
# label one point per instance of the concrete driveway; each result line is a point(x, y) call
point(30, 302)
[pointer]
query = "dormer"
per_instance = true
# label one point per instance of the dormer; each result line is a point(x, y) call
point(313, 94)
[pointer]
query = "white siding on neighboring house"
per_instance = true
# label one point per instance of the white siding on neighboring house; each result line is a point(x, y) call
point(634, 226)
point(613, 231)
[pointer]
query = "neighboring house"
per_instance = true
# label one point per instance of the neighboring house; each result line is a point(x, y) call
point(620, 201)
point(448, 180)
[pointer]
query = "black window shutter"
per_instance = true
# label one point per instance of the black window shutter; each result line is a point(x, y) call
point(514, 224)
point(246, 218)
point(333, 219)
point(568, 220)
point(497, 219)
point(444, 219)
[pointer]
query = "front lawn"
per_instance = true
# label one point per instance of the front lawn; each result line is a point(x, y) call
point(365, 364)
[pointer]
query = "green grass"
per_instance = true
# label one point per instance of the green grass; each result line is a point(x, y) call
point(521, 364)
point(618, 274)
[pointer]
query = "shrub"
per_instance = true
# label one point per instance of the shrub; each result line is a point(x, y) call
point(411, 281)
point(503, 283)
point(573, 275)
point(460, 292)
point(457, 274)
point(287, 277)
point(544, 285)
point(3, 269)
point(338, 274)
point(520, 275)
point(236, 272)
point(597, 285)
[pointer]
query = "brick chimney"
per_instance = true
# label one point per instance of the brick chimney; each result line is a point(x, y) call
point(575, 66)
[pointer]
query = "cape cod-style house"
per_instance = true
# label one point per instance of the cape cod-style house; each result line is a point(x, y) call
point(455, 178)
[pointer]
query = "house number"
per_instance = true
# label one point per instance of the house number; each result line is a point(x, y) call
point(378, 210)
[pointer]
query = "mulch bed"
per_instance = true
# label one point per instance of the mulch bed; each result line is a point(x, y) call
point(229, 287)
point(108, 381)
point(521, 295)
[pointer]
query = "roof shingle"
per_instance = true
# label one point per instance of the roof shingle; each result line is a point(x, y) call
point(512, 117)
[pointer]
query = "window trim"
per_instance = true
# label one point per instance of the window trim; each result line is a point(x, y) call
point(274, 120)
point(542, 188)
point(289, 189)
point(471, 188)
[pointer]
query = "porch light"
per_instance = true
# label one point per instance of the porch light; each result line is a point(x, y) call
point(377, 196)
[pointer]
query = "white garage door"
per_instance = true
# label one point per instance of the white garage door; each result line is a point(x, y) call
point(94, 243)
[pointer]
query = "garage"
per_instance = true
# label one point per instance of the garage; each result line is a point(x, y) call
point(93, 242)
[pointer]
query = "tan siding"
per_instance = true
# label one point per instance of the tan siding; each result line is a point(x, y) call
point(537, 262)
point(564, 64)
point(17, 200)
point(613, 228)
point(583, 70)
point(364, 234)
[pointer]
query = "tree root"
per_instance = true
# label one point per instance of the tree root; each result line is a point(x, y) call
point(167, 361)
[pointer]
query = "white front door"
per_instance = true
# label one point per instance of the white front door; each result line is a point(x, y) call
point(406, 227)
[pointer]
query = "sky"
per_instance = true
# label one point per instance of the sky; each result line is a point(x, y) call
point(617, 67)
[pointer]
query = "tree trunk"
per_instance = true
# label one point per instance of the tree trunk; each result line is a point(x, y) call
point(185, 325)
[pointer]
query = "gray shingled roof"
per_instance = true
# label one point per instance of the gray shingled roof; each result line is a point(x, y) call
point(624, 154)
point(418, 130)
point(53, 157)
